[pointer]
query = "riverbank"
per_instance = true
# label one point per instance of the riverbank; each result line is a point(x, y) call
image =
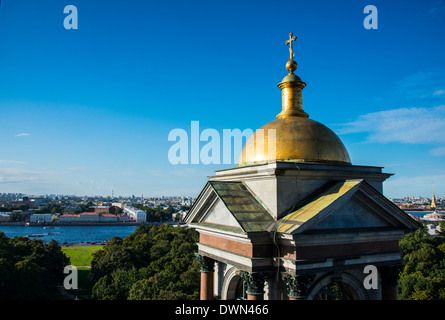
point(76, 224)
point(87, 224)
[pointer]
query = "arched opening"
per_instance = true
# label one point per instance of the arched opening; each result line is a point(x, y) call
point(338, 287)
point(233, 286)
point(235, 289)
point(335, 290)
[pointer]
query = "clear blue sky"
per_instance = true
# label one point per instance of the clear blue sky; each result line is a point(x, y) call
point(88, 111)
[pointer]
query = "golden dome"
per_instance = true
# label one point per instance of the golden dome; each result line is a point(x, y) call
point(296, 139)
point(293, 136)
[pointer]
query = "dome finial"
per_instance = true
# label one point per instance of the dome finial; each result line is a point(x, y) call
point(291, 65)
point(291, 87)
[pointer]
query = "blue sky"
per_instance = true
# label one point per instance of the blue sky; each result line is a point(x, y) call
point(88, 111)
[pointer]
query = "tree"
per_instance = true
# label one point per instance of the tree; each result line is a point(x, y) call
point(154, 262)
point(24, 207)
point(141, 289)
point(423, 274)
point(115, 286)
point(113, 257)
point(28, 282)
point(6, 278)
point(442, 228)
point(30, 269)
point(18, 216)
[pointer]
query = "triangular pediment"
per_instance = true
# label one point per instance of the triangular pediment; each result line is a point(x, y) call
point(351, 214)
point(209, 211)
point(346, 205)
point(220, 215)
point(229, 206)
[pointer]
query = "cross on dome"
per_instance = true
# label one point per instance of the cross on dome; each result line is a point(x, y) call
point(289, 42)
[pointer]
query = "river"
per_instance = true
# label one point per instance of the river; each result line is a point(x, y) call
point(69, 234)
point(419, 214)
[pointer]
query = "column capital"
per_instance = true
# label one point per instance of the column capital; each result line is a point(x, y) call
point(298, 286)
point(207, 264)
point(254, 282)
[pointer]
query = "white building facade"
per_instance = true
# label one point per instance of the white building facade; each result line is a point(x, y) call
point(41, 217)
point(136, 214)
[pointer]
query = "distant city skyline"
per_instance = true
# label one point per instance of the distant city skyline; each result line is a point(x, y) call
point(86, 111)
point(53, 195)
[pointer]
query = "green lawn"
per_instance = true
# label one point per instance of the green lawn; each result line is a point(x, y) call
point(80, 256)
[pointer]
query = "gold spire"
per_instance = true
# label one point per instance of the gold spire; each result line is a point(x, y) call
point(433, 200)
point(292, 87)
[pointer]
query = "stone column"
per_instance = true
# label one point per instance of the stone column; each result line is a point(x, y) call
point(207, 277)
point(298, 286)
point(255, 284)
point(388, 276)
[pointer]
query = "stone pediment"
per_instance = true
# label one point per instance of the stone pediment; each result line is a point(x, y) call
point(349, 205)
point(229, 206)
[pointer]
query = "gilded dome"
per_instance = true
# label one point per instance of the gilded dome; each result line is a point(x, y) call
point(296, 139)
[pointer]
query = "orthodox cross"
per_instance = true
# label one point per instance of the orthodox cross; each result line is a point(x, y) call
point(291, 50)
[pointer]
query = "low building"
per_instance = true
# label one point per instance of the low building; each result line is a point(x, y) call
point(67, 217)
point(179, 216)
point(41, 218)
point(88, 217)
point(434, 216)
point(135, 214)
point(93, 217)
point(5, 216)
point(108, 217)
point(118, 204)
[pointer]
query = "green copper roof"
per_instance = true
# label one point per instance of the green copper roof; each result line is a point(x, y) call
point(324, 199)
point(246, 208)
